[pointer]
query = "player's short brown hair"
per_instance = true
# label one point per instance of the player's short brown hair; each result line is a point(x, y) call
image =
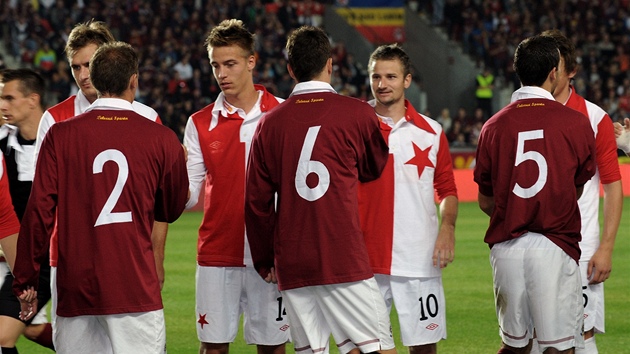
point(566, 47)
point(308, 50)
point(112, 66)
point(231, 32)
point(392, 52)
point(84, 34)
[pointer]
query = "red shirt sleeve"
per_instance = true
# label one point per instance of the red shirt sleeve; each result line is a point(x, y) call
point(444, 181)
point(606, 150)
point(9, 223)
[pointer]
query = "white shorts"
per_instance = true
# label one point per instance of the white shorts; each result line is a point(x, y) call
point(53, 301)
point(354, 313)
point(537, 285)
point(224, 293)
point(593, 297)
point(138, 333)
point(420, 305)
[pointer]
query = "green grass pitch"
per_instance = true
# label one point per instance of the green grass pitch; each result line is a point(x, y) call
point(472, 325)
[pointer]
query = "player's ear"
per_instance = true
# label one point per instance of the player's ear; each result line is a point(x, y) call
point(291, 72)
point(133, 82)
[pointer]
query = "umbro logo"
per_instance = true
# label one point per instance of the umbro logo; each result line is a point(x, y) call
point(432, 326)
point(216, 145)
point(284, 328)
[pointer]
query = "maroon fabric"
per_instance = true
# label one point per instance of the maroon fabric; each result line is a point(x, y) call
point(108, 268)
point(568, 147)
point(314, 242)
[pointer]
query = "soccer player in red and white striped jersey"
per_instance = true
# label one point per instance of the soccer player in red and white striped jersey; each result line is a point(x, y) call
point(408, 247)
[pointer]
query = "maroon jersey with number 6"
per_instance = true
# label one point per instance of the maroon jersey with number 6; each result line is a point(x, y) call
point(312, 150)
point(107, 174)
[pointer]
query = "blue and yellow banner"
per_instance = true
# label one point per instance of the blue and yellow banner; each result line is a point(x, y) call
point(380, 21)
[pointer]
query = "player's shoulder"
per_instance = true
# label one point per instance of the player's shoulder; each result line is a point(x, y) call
point(144, 110)
point(63, 110)
point(204, 113)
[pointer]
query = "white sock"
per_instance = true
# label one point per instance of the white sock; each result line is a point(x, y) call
point(590, 347)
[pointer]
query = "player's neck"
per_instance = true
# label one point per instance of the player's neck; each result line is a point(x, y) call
point(28, 128)
point(396, 111)
point(245, 100)
point(563, 95)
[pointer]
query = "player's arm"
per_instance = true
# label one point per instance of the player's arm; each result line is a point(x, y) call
point(9, 224)
point(158, 241)
point(9, 247)
point(260, 210)
point(622, 134)
point(600, 264)
point(444, 251)
point(45, 123)
point(37, 225)
point(373, 160)
point(195, 163)
point(444, 184)
point(486, 203)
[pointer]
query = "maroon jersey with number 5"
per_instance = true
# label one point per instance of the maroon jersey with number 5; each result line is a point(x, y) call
point(531, 157)
point(107, 174)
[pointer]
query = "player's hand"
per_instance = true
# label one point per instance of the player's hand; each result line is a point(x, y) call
point(271, 277)
point(622, 135)
point(444, 251)
point(185, 152)
point(599, 267)
point(28, 303)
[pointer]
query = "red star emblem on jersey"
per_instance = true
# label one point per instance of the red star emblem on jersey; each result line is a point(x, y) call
point(421, 159)
point(202, 320)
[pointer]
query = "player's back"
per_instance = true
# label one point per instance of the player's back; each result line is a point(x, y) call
point(115, 169)
point(317, 146)
point(538, 151)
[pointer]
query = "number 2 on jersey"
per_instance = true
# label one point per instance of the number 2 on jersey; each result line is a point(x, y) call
point(538, 158)
point(307, 166)
point(106, 215)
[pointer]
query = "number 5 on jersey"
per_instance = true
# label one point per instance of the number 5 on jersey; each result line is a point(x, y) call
point(106, 215)
point(538, 158)
point(307, 166)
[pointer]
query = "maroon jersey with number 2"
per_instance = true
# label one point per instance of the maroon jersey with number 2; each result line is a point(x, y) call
point(108, 174)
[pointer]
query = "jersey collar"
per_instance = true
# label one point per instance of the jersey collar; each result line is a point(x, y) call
point(302, 88)
point(526, 92)
point(411, 116)
point(110, 103)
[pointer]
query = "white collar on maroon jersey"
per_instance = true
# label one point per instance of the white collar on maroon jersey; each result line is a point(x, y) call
point(111, 103)
point(81, 102)
point(531, 92)
point(312, 87)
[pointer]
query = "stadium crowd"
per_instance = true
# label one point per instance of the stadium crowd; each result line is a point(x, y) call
point(177, 78)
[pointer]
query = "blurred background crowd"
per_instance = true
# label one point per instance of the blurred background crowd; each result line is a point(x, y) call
point(176, 78)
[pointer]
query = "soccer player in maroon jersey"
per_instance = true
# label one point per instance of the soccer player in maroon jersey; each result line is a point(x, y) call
point(312, 150)
point(533, 159)
point(218, 138)
point(82, 42)
point(407, 244)
point(129, 172)
point(596, 248)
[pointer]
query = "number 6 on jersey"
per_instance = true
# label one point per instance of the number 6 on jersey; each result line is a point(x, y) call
point(307, 166)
